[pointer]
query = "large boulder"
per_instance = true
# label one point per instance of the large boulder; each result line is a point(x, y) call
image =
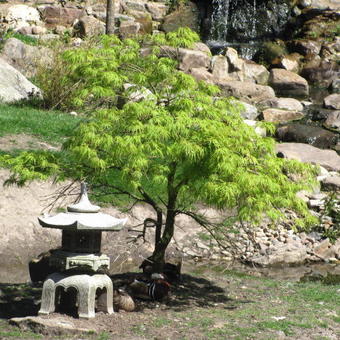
point(281, 116)
point(88, 26)
point(282, 103)
point(256, 73)
point(332, 101)
point(25, 58)
point(285, 254)
point(13, 85)
point(305, 47)
point(185, 16)
point(19, 16)
point(220, 67)
point(333, 120)
point(157, 10)
point(201, 73)
point(247, 91)
point(190, 59)
point(312, 135)
point(286, 83)
point(305, 153)
point(54, 16)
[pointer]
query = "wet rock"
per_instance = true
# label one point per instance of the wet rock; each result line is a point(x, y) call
point(287, 83)
point(281, 116)
point(312, 135)
point(305, 153)
point(305, 47)
point(322, 73)
point(332, 101)
point(247, 91)
point(283, 103)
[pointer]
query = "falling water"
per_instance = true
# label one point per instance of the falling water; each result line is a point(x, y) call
point(245, 24)
point(219, 20)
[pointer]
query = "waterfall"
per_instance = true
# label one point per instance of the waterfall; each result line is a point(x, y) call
point(219, 20)
point(244, 24)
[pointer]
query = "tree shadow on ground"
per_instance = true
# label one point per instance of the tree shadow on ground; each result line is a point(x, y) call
point(191, 291)
point(19, 300)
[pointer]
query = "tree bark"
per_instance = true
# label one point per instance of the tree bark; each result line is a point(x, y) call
point(110, 21)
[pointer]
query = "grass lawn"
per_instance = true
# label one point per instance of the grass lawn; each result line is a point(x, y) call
point(48, 126)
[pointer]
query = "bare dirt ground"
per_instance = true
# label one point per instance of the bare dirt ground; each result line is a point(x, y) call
point(208, 303)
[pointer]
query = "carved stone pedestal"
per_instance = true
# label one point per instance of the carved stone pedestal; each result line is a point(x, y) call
point(86, 287)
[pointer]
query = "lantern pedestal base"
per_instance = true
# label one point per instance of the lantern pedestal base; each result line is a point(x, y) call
point(85, 288)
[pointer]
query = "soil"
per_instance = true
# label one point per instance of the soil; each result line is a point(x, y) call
point(205, 304)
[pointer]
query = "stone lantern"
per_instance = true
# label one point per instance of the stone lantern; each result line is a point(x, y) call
point(80, 261)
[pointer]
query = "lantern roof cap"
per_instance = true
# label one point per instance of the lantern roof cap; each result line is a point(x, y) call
point(83, 216)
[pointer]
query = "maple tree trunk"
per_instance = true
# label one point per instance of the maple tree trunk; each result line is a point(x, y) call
point(110, 20)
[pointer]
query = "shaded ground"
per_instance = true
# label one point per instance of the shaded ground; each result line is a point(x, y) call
point(207, 304)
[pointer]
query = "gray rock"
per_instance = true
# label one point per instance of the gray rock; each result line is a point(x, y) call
point(285, 254)
point(305, 47)
point(58, 325)
point(256, 73)
point(220, 68)
point(129, 28)
point(281, 116)
point(287, 83)
point(333, 120)
point(312, 135)
point(13, 85)
point(332, 101)
point(25, 58)
point(192, 59)
point(331, 182)
point(249, 111)
point(247, 91)
point(157, 10)
point(88, 26)
point(283, 103)
point(335, 86)
point(201, 73)
point(19, 16)
point(305, 153)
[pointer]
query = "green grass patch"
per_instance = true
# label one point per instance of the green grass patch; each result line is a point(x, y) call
point(24, 38)
point(50, 126)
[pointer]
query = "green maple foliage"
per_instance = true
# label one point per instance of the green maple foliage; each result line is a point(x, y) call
point(179, 146)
